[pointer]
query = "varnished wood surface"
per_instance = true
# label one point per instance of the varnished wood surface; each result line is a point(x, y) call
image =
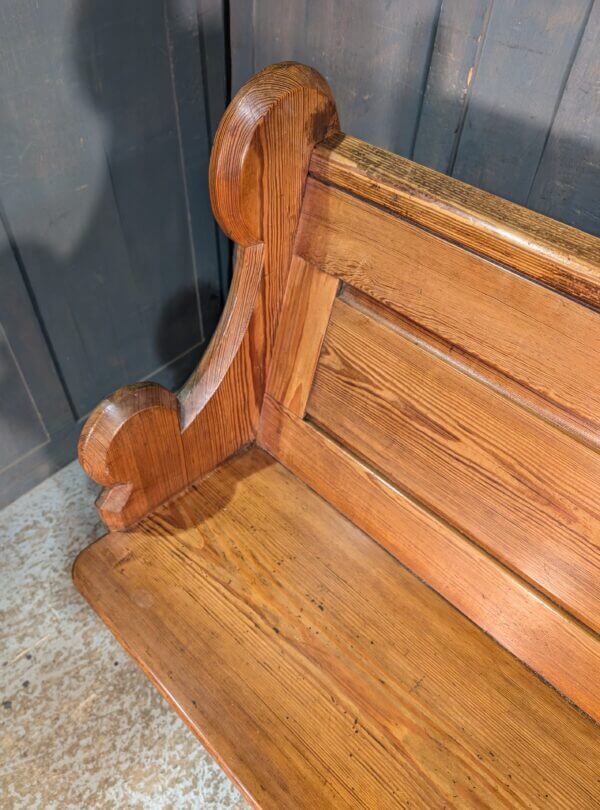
point(319, 671)
point(136, 442)
point(258, 169)
point(517, 486)
point(231, 330)
point(537, 246)
point(548, 344)
point(305, 314)
point(259, 165)
point(310, 662)
point(564, 652)
point(137, 471)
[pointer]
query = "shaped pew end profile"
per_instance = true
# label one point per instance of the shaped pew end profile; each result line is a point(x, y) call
point(144, 443)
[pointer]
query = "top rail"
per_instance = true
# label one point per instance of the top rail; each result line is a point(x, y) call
point(556, 254)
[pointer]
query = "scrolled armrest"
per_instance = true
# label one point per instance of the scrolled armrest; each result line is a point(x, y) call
point(143, 443)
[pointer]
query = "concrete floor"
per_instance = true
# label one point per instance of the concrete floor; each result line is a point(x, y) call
point(80, 726)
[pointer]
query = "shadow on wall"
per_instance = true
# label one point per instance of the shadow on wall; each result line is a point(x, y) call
point(107, 110)
point(503, 157)
point(507, 155)
point(501, 95)
point(103, 185)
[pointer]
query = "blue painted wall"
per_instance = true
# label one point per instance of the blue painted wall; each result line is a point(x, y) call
point(503, 94)
point(111, 267)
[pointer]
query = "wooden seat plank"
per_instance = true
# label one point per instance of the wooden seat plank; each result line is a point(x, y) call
point(421, 354)
point(518, 616)
point(317, 669)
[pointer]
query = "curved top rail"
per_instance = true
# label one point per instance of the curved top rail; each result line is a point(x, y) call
point(295, 102)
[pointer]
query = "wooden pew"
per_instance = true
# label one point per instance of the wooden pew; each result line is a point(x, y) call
point(359, 551)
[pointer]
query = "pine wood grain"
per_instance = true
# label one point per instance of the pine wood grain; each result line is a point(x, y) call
point(136, 442)
point(318, 670)
point(232, 329)
point(533, 244)
point(311, 663)
point(258, 169)
point(137, 471)
point(564, 652)
point(519, 487)
point(220, 405)
point(546, 343)
point(305, 314)
point(259, 165)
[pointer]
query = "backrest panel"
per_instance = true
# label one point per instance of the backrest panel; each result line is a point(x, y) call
point(429, 385)
point(546, 346)
point(514, 484)
point(305, 314)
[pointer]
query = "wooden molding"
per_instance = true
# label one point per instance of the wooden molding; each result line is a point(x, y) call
point(118, 449)
point(498, 320)
point(144, 444)
point(556, 254)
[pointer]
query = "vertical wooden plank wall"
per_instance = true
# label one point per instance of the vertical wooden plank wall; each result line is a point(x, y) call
point(110, 264)
point(503, 95)
point(567, 182)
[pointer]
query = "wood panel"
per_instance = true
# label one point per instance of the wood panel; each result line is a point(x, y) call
point(548, 344)
point(97, 202)
point(132, 444)
point(22, 428)
point(536, 246)
point(533, 628)
point(375, 56)
point(104, 144)
point(304, 317)
point(467, 82)
point(37, 427)
point(525, 58)
point(459, 39)
point(567, 182)
point(230, 597)
point(195, 33)
point(517, 486)
point(25, 334)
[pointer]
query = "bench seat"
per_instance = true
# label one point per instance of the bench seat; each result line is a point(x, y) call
point(359, 550)
point(316, 668)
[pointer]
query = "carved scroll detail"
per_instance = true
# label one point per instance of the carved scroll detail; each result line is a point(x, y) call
point(143, 443)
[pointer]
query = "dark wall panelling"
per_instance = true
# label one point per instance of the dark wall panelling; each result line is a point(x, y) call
point(213, 48)
point(106, 115)
point(525, 60)
point(457, 48)
point(112, 268)
point(196, 43)
point(503, 95)
point(24, 334)
point(23, 429)
point(375, 55)
point(567, 183)
point(37, 431)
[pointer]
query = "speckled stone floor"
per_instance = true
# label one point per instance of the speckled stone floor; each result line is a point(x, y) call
point(80, 726)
